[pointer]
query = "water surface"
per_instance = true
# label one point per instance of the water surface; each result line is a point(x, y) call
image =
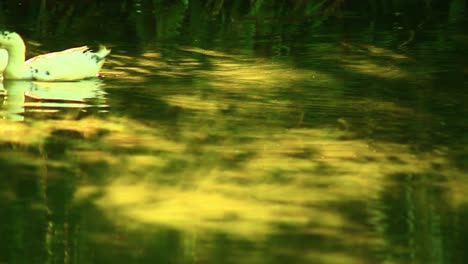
point(273, 140)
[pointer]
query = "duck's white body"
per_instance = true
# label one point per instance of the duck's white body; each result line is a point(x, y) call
point(3, 61)
point(68, 65)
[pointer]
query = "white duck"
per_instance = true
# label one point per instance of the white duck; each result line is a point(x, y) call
point(67, 65)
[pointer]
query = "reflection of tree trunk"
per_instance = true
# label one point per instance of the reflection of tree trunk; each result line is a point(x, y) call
point(195, 17)
point(168, 18)
point(424, 226)
point(2, 16)
point(457, 10)
point(419, 224)
point(144, 19)
point(214, 6)
point(64, 22)
point(41, 25)
point(139, 21)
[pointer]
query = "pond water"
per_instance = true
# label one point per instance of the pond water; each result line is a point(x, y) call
point(229, 138)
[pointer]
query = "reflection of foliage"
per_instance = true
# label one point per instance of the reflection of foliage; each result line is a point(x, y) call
point(164, 18)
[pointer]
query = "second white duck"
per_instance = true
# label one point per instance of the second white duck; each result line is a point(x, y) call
point(67, 65)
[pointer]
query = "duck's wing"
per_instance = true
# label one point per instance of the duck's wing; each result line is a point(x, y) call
point(71, 64)
point(59, 55)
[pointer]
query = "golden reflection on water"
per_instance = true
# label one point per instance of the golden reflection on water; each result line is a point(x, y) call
point(293, 178)
point(369, 67)
point(273, 186)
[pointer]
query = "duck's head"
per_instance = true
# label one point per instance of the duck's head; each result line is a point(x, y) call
point(9, 39)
